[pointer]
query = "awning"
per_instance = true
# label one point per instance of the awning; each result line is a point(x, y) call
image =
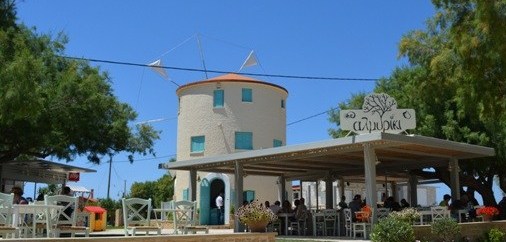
point(343, 157)
point(75, 188)
point(40, 171)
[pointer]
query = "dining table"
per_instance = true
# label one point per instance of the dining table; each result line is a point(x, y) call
point(30, 218)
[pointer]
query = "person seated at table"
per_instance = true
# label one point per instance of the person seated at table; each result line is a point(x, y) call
point(342, 204)
point(391, 204)
point(276, 207)
point(454, 209)
point(446, 201)
point(355, 205)
point(404, 203)
point(364, 214)
point(301, 211)
point(286, 207)
point(18, 196)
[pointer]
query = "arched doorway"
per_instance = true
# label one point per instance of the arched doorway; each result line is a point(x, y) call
point(210, 187)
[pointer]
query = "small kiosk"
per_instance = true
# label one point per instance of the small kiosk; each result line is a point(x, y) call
point(98, 218)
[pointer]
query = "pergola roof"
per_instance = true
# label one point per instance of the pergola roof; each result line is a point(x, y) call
point(340, 158)
point(41, 171)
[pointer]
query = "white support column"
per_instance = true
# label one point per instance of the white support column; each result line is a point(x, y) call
point(193, 185)
point(238, 227)
point(370, 179)
point(454, 178)
point(317, 191)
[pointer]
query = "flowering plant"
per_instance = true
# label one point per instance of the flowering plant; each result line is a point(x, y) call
point(255, 212)
point(488, 211)
point(408, 215)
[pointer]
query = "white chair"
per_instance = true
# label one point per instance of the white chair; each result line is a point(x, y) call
point(185, 217)
point(330, 221)
point(6, 228)
point(382, 212)
point(137, 216)
point(439, 212)
point(300, 224)
point(65, 221)
point(362, 227)
point(348, 221)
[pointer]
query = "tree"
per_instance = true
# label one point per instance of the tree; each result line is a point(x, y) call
point(448, 82)
point(54, 106)
point(159, 191)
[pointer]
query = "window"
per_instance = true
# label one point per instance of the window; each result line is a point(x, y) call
point(282, 103)
point(277, 143)
point(219, 97)
point(186, 194)
point(243, 140)
point(197, 143)
point(247, 95)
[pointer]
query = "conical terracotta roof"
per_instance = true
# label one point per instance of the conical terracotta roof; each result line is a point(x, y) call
point(231, 77)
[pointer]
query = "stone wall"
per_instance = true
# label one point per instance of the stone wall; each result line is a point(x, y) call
point(473, 231)
point(236, 237)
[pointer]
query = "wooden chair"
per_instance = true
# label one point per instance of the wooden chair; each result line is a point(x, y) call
point(6, 228)
point(439, 212)
point(382, 212)
point(65, 221)
point(348, 221)
point(300, 223)
point(185, 217)
point(330, 221)
point(363, 224)
point(137, 216)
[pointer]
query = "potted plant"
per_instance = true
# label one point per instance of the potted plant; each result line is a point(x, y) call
point(487, 212)
point(255, 216)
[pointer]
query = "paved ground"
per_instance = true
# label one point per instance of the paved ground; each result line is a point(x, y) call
point(120, 232)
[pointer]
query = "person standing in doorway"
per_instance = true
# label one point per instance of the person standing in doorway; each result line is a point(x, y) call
point(221, 208)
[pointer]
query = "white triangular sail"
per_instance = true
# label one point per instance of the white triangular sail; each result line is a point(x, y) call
point(251, 60)
point(157, 67)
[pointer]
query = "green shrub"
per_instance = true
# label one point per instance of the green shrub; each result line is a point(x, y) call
point(446, 229)
point(496, 235)
point(391, 229)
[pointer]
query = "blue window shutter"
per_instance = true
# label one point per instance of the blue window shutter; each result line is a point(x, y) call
point(277, 143)
point(219, 98)
point(247, 95)
point(186, 193)
point(244, 140)
point(197, 143)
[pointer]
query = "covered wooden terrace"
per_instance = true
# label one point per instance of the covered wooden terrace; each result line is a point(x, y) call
point(364, 157)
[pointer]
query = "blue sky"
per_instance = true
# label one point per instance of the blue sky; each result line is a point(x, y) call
point(351, 39)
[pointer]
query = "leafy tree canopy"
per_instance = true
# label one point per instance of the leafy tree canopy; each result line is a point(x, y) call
point(159, 191)
point(456, 81)
point(53, 106)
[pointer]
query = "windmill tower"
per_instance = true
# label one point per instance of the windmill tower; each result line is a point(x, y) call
point(223, 115)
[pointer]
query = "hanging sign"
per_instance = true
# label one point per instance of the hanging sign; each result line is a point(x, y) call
point(74, 176)
point(379, 113)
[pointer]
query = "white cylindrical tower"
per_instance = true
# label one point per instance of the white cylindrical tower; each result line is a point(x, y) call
point(227, 114)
